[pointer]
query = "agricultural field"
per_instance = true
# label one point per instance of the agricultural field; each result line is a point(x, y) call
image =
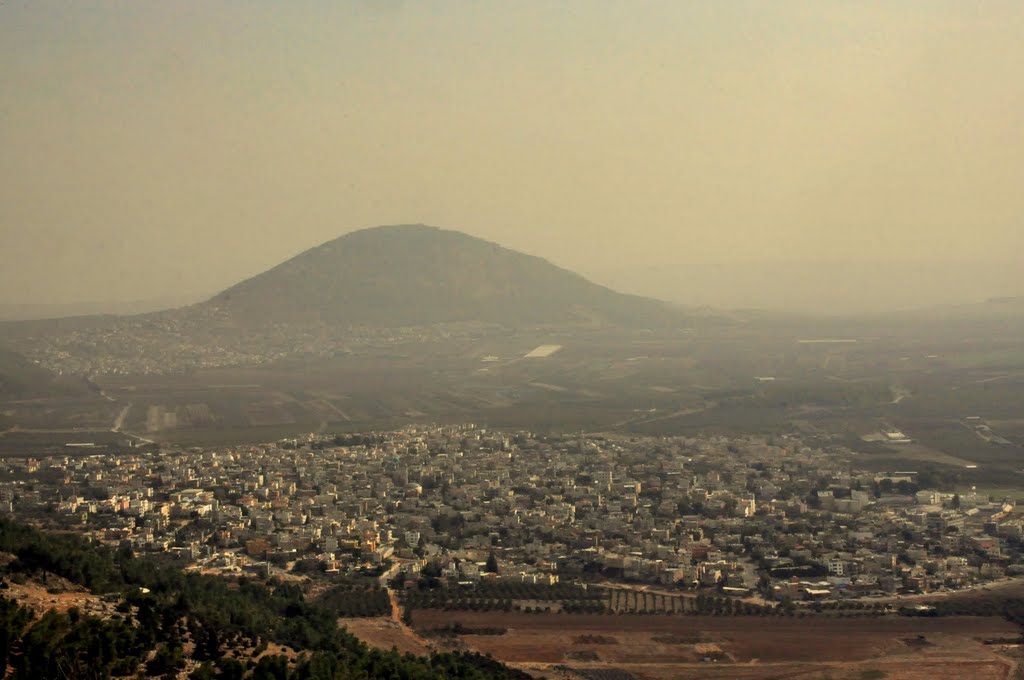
point(746, 375)
point(63, 442)
point(684, 646)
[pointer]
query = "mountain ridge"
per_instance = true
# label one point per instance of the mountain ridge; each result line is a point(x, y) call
point(414, 274)
point(364, 289)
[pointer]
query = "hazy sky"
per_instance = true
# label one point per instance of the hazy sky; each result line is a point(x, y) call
point(154, 147)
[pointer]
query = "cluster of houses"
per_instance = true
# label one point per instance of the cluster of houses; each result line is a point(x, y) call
point(740, 515)
point(171, 342)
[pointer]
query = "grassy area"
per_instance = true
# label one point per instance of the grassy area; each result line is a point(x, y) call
point(996, 491)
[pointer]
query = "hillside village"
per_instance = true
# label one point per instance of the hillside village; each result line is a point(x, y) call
point(747, 517)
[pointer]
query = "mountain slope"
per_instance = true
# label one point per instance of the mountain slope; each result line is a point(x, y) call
point(414, 274)
point(349, 293)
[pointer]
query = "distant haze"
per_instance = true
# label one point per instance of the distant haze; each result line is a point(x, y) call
point(805, 155)
point(15, 311)
point(822, 287)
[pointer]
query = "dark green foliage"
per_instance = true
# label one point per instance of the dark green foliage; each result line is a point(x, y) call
point(63, 554)
point(352, 600)
point(507, 596)
point(230, 669)
point(1011, 608)
point(271, 668)
point(13, 620)
point(66, 645)
point(168, 659)
point(210, 609)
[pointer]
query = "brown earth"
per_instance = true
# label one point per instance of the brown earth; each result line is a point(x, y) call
point(36, 596)
point(387, 632)
point(741, 646)
point(383, 633)
point(825, 671)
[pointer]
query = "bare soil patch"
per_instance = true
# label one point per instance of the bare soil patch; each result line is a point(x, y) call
point(739, 647)
point(56, 594)
point(383, 633)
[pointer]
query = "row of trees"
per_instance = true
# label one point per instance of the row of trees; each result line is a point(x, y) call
point(354, 600)
point(487, 605)
point(507, 596)
point(1011, 608)
point(518, 590)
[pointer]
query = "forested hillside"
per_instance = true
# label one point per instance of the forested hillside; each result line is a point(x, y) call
point(161, 612)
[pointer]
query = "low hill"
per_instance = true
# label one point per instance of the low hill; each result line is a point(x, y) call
point(1001, 316)
point(1000, 308)
point(23, 379)
point(414, 275)
point(350, 293)
point(18, 375)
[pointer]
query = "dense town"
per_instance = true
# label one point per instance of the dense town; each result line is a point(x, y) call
point(751, 516)
point(179, 341)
